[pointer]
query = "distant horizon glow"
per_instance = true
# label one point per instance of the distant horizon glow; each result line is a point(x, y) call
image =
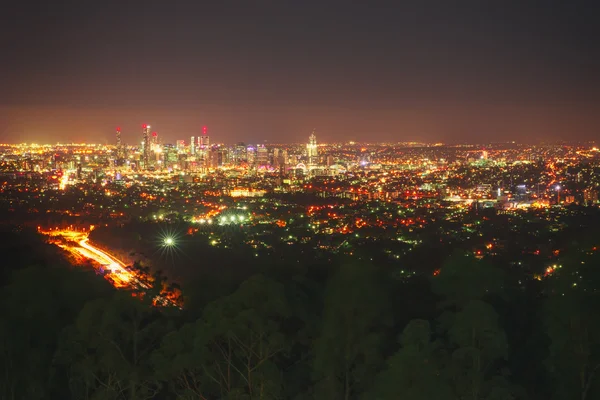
point(404, 72)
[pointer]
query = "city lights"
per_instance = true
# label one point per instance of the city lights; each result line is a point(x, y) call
point(336, 197)
point(231, 219)
point(320, 240)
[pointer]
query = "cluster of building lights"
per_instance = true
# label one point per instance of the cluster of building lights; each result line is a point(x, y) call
point(223, 220)
point(203, 221)
point(231, 219)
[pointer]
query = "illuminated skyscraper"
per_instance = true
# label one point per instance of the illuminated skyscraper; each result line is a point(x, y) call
point(119, 148)
point(118, 134)
point(204, 148)
point(262, 155)
point(222, 156)
point(156, 150)
point(170, 156)
point(146, 145)
point(193, 145)
point(239, 154)
point(204, 139)
point(251, 156)
point(311, 150)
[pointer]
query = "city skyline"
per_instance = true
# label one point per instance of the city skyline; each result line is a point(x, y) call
point(135, 137)
point(395, 72)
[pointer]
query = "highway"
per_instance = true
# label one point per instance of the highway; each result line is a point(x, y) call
point(77, 243)
point(118, 270)
point(115, 271)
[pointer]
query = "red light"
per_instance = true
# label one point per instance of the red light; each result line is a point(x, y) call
point(144, 126)
point(204, 130)
point(154, 134)
point(118, 129)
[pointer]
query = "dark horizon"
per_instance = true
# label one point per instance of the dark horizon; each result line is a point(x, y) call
point(272, 70)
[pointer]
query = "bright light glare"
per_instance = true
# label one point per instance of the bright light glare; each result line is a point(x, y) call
point(169, 241)
point(231, 219)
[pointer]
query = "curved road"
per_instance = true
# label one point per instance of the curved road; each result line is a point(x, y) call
point(119, 273)
point(120, 276)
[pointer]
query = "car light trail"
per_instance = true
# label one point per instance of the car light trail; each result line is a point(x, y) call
point(118, 274)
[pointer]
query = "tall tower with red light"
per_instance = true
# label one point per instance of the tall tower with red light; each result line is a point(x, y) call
point(146, 145)
point(118, 135)
point(204, 139)
point(204, 147)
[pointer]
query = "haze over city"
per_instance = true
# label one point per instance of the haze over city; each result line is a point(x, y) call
point(272, 71)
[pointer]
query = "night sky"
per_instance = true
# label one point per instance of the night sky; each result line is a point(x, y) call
point(271, 71)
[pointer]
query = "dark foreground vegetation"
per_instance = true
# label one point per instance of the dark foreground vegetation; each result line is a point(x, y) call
point(331, 329)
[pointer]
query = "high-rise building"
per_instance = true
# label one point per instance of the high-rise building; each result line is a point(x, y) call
point(120, 154)
point(311, 150)
point(156, 149)
point(223, 156)
point(239, 154)
point(154, 143)
point(204, 139)
point(214, 157)
point(118, 135)
point(262, 155)
point(251, 155)
point(193, 145)
point(204, 148)
point(146, 150)
point(180, 146)
point(170, 155)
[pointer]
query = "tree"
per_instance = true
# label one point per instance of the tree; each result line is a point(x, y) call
point(30, 325)
point(470, 329)
point(479, 350)
point(107, 351)
point(232, 351)
point(181, 364)
point(573, 326)
point(463, 278)
point(347, 352)
point(418, 371)
point(34, 309)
